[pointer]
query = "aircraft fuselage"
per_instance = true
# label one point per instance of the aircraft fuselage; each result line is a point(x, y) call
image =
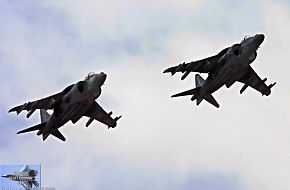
point(231, 66)
point(72, 104)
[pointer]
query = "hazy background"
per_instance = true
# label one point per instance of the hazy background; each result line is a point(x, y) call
point(160, 143)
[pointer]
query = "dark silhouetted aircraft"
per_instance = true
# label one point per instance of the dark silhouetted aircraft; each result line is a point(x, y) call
point(74, 102)
point(228, 66)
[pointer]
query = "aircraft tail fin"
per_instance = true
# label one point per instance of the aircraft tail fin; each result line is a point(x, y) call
point(33, 128)
point(44, 116)
point(199, 81)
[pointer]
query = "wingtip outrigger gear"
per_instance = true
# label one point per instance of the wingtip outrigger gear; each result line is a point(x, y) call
point(271, 85)
point(181, 67)
point(115, 119)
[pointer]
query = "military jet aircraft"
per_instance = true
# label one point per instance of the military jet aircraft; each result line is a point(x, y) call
point(228, 66)
point(25, 177)
point(74, 102)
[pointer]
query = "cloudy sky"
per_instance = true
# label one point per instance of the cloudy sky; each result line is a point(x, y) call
point(160, 143)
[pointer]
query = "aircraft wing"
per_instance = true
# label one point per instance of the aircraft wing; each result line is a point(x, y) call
point(45, 103)
point(201, 66)
point(26, 184)
point(95, 111)
point(253, 80)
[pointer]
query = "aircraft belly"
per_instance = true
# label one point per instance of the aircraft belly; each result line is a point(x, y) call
point(78, 113)
point(228, 74)
point(73, 113)
point(58, 119)
point(220, 79)
point(50, 125)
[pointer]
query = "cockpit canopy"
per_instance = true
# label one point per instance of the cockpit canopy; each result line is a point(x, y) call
point(90, 75)
point(246, 38)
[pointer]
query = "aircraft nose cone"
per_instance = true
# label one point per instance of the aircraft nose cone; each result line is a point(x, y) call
point(260, 38)
point(4, 176)
point(103, 76)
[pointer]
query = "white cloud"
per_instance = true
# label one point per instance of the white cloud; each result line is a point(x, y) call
point(247, 137)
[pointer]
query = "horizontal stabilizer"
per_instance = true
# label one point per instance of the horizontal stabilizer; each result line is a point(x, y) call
point(211, 100)
point(57, 134)
point(188, 92)
point(33, 128)
point(44, 136)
